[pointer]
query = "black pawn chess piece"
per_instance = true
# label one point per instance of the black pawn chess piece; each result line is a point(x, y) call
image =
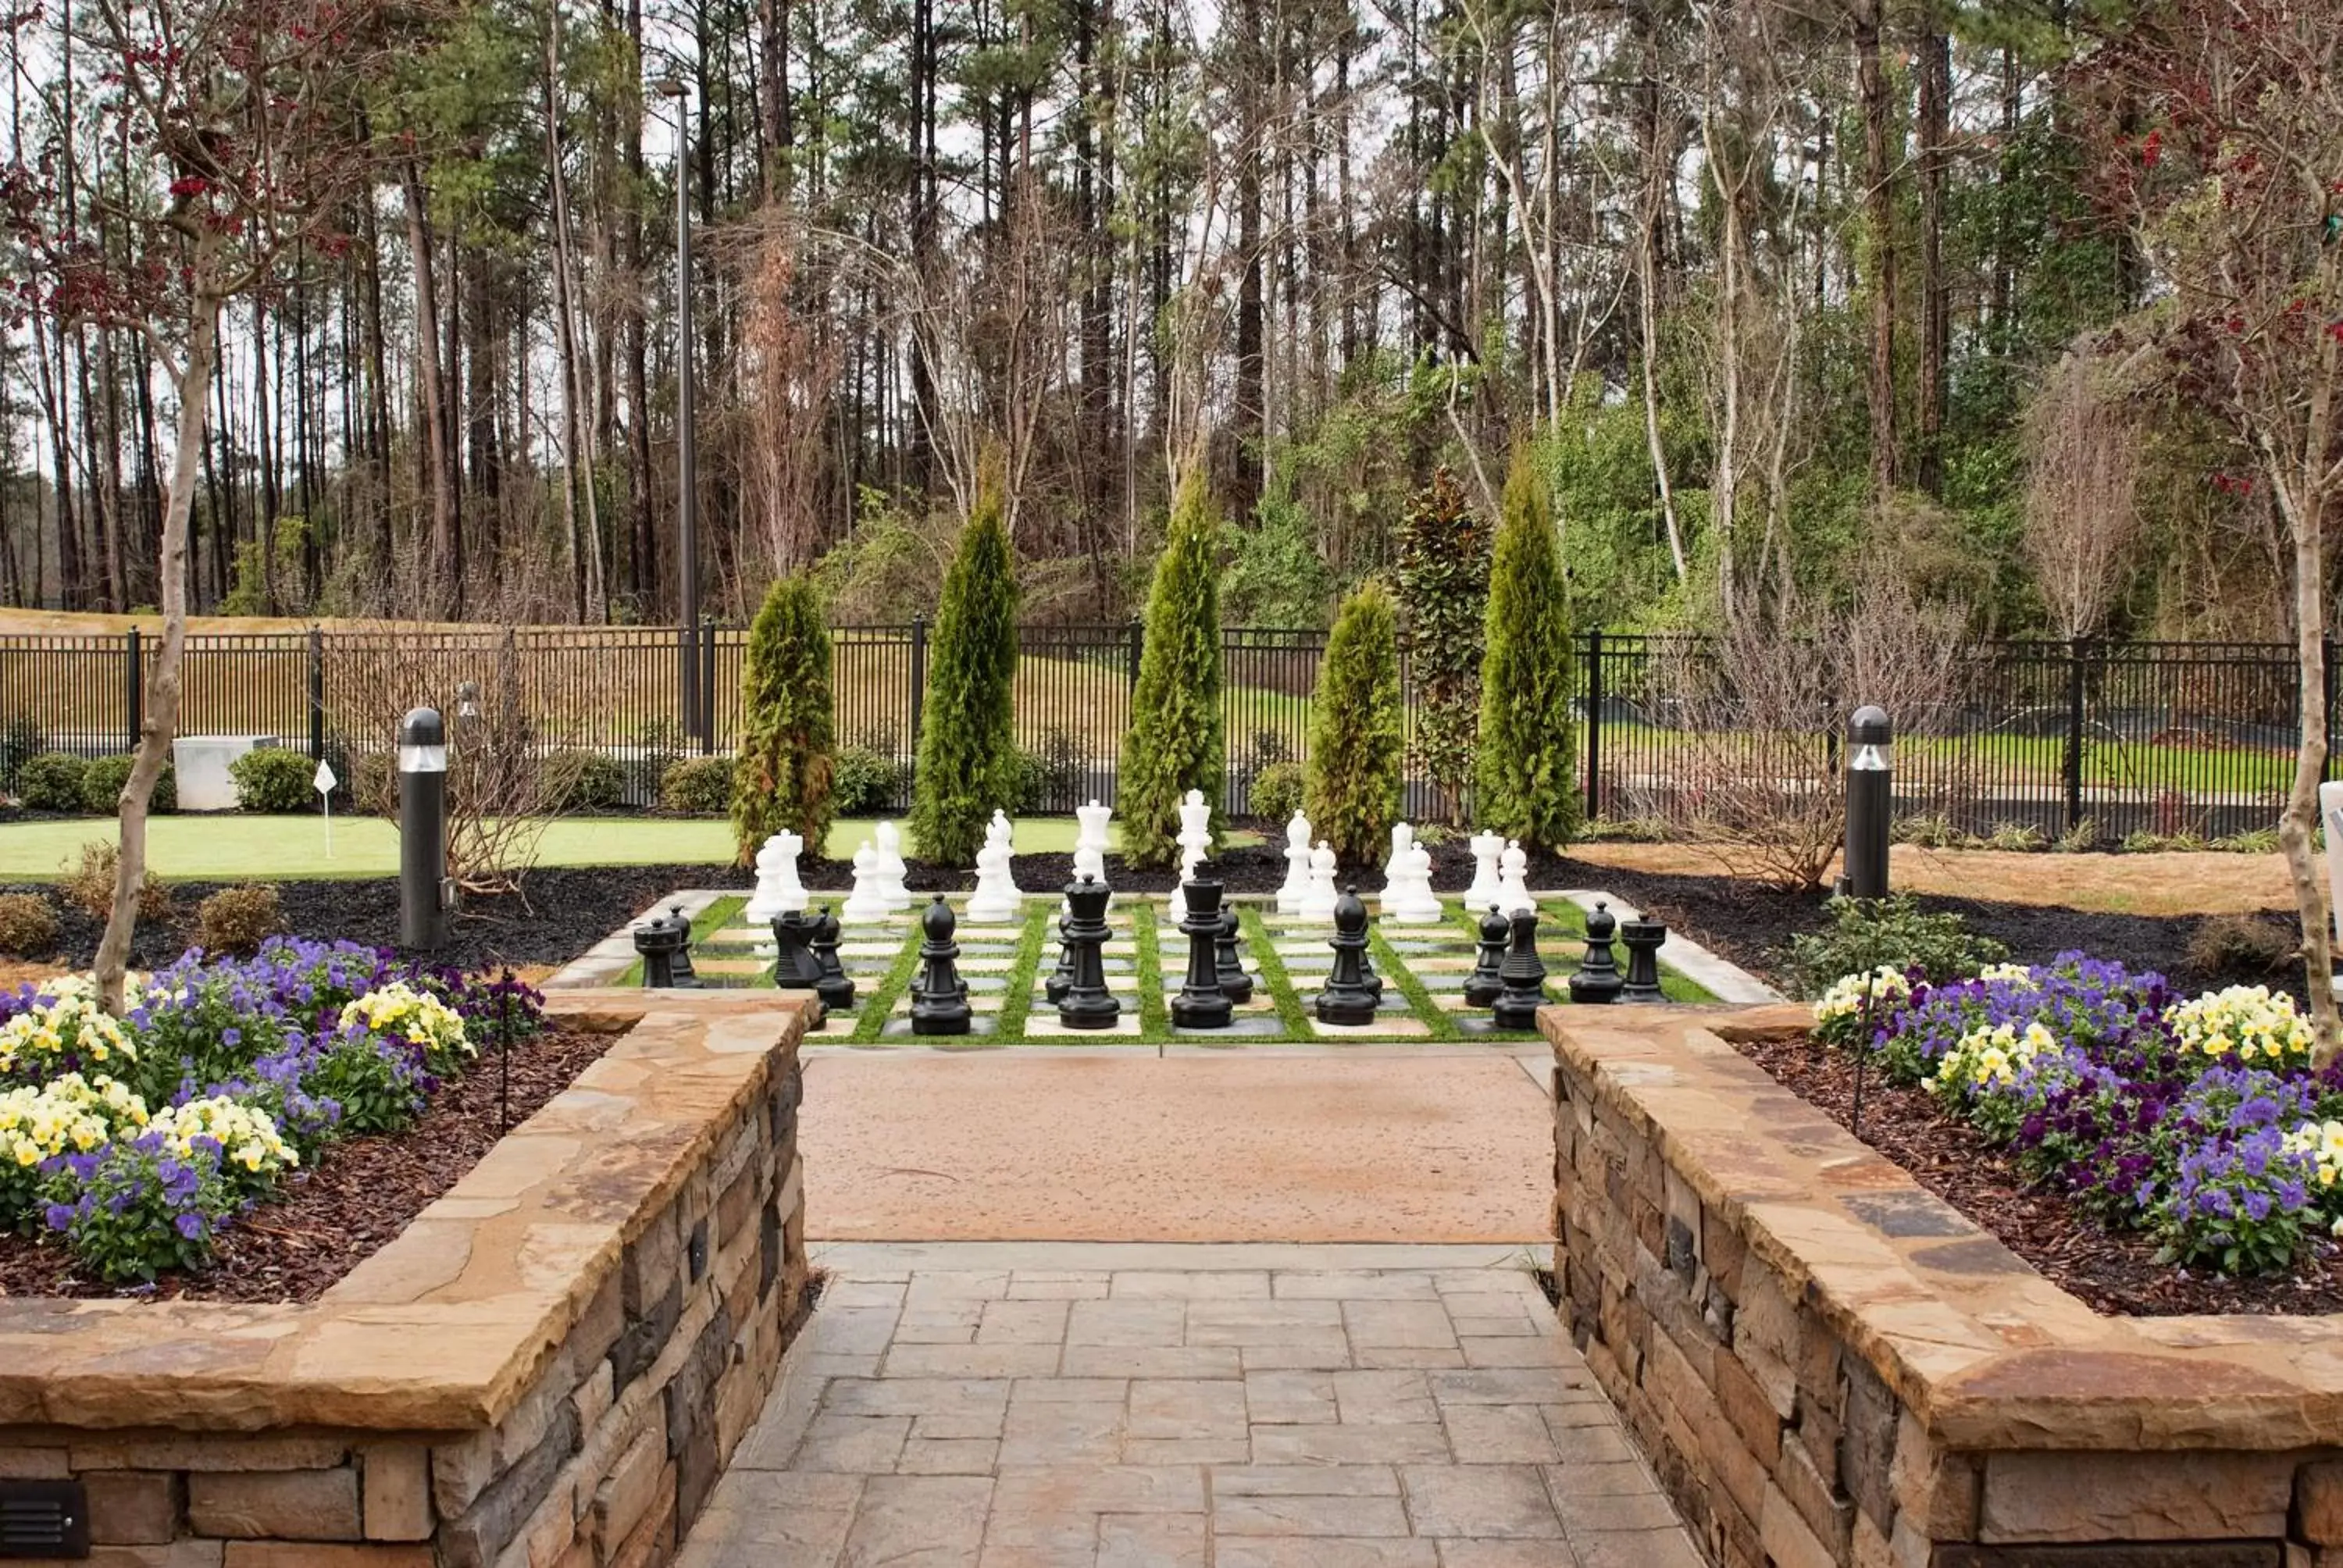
point(1643, 938)
point(1064, 977)
point(835, 988)
point(795, 968)
point(658, 942)
point(1483, 985)
point(1201, 1004)
point(939, 996)
point(1085, 1004)
point(1523, 977)
point(685, 975)
point(1235, 984)
point(1346, 998)
point(1598, 979)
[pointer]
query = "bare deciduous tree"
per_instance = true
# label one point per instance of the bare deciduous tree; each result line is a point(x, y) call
point(2082, 520)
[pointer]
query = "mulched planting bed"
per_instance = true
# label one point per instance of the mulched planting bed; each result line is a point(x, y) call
point(361, 1195)
point(2114, 1272)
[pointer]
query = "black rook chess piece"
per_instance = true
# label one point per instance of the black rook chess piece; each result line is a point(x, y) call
point(795, 967)
point(1523, 977)
point(1346, 998)
point(1235, 984)
point(1483, 985)
point(939, 996)
point(1597, 979)
point(1085, 1004)
point(1643, 937)
point(1201, 1004)
point(834, 986)
point(685, 975)
point(660, 941)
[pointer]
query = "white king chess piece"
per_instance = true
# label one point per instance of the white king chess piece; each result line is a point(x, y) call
point(1297, 886)
point(891, 870)
point(1487, 887)
point(1514, 886)
point(997, 895)
point(1318, 899)
point(867, 904)
point(779, 892)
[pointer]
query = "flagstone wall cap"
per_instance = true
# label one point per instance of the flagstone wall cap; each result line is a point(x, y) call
point(446, 1328)
point(1982, 1349)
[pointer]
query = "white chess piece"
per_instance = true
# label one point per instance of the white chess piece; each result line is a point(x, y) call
point(1402, 839)
point(891, 870)
point(1487, 887)
point(779, 890)
point(1196, 840)
point(1318, 899)
point(1090, 840)
point(1409, 900)
point(997, 895)
point(1297, 886)
point(867, 904)
point(1513, 886)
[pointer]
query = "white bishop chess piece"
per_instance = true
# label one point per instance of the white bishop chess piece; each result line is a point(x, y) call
point(779, 892)
point(1297, 886)
point(891, 870)
point(1487, 887)
point(1318, 899)
point(997, 895)
point(867, 904)
point(1513, 885)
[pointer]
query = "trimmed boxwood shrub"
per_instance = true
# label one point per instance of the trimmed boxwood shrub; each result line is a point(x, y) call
point(102, 782)
point(275, 780)
point(1353, 773)
point(865, 783)
point(583, 781)
point(53, 781)
point(697, 786)
point(783, 777)
point(28, 926)
point(1176, 741)
point(1276, 793)
point(969, 766)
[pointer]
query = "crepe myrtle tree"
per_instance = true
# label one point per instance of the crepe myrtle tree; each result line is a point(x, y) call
point(214, 145)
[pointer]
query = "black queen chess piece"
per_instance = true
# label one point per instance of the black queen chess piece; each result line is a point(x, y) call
point(1085, 1003)
point(1643, 938)
point(1524, 976)
point(795, 967)
point(1201, 1004)
point(1235, 984)
point(1483, 985)
point(1598, 979)
point(835, 987)
point(939, 996)
point(1347, 999)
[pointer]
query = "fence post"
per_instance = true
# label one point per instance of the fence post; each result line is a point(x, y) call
point(1593, 723)
point(2073, 761)
point(918, 679)
point(1137, 646)
point(317, 695)
point(687, 653)
point(133, 684)
point(707, 685)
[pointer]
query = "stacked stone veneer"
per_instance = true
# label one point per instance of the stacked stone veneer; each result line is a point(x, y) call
point(551, 1365)
point(1827, 1364)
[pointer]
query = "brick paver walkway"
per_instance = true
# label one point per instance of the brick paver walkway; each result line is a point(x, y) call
point(1231, 1416)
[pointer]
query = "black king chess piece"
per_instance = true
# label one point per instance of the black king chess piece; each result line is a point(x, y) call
point(1085, 1003)
point(1483, 984)
point(835, 988)
point(795, 967)
point(1235, 984)
point(1643, 937)
point(1597, 979)
point(1347, 999)
point(1201, 1004)
point(939, 996)
point(1524, 976)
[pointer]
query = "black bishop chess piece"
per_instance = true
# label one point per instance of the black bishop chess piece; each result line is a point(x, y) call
point(1201, 1004)
point(835, 987)
point(1643, 938)
point(1085, 1003)
point(795, 967)
point(1598, 979)
point(1482, 985)
point(939, 996)
point(1347, 999)
point(1524, 976)
point(1235, 984)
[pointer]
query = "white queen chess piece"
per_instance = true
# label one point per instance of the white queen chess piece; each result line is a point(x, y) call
point(1297, 886)
point(997, 895)
point(1487, 887)
point(1514, 886)
point(891, 869)
point(1318, 899)
point(867, 904)
point(779, 892)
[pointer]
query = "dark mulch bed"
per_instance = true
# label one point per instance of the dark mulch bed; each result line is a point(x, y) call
point(360, 1196)
point(2115, 1271)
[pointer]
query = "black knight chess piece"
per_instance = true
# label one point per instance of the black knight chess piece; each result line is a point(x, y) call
point(1346, 998)
point(1201, 1004)
point(835, 988)
point(1482, 985)
point(1524, 976)
point(939, 996)
point(795, 967)
point(1085, 1003)
point(1643, 938)
point(1598, 979)
point(1235, 984)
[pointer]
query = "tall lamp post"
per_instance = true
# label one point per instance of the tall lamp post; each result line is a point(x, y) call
point(687, 564)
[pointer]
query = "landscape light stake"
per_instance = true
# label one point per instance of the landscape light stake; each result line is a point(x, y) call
point(1870, 751)
point(503, 1054)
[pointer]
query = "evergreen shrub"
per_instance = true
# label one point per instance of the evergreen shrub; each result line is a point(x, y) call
point(968, 764)
point(1277, 792)
point(580, 781)
point(1175, 742)
point(1444, 585)
point(783, 776)
point(275, 780)
point(698, 787)
point(1352, 788)
point(52, 781)
point(102, 781)
point(1525, 782)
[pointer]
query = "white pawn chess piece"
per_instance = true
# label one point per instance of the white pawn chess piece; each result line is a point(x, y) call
point(1487, 887)
point(1297, 886)
point(1513, 885)
point(997, 895)
point(867, 904)
point(891, 870)
point(1409, 900)
point(779, 892)
point(1318, 899)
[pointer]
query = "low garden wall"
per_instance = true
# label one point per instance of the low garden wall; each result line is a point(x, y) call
point(1826, 1363)
point(551, 1365)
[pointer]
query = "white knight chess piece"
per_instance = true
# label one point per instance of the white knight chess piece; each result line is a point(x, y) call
point(997, 895)
point(779, 890)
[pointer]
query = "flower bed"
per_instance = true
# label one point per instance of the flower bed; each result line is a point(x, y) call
point(133, 1143)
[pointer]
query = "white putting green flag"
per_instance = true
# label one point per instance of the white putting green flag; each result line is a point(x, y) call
point(324, 783)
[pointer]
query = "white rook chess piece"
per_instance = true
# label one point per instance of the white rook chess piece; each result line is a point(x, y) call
point(1196, 840)
point(1487, 886)
point(1297, 886)
point(1408, 899)
point(891, 869)
point(1514, 886)
point(1318, 899)
point(997, 895)
point(867, 904)
point(779, 892)
point(1090, 840)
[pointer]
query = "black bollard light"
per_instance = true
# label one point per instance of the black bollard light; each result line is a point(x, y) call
point(1870, 770)
point(423, 892)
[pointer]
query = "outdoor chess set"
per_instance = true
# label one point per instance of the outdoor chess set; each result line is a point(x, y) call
point(1318, 962)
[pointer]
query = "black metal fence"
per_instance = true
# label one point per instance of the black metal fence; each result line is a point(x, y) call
point(2166, 737)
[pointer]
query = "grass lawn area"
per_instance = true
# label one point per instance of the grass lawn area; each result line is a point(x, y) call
point(232, 845)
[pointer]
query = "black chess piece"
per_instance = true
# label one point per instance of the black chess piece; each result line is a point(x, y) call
point(685, 975)
point(1235, 984)
point(1201, 1004)
point(835, 987)
point(939, 996)
point(795, 968)
point(1524, 976)
point(1643, 937)
point(659, 941)
point(1598, 979)
point(1483, 985)
point(1346, 998)
point(1055, 987)
point(1085, 1003)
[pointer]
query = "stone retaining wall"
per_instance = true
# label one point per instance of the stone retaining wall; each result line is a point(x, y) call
point(550, 1366)
point(1826, 1364)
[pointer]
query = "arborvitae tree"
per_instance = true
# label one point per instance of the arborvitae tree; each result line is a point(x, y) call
point(967, 737)
point(1352, 788)
point(1444, 581)
point(1175, 742)
point(782, 779)
point(1524, 779)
